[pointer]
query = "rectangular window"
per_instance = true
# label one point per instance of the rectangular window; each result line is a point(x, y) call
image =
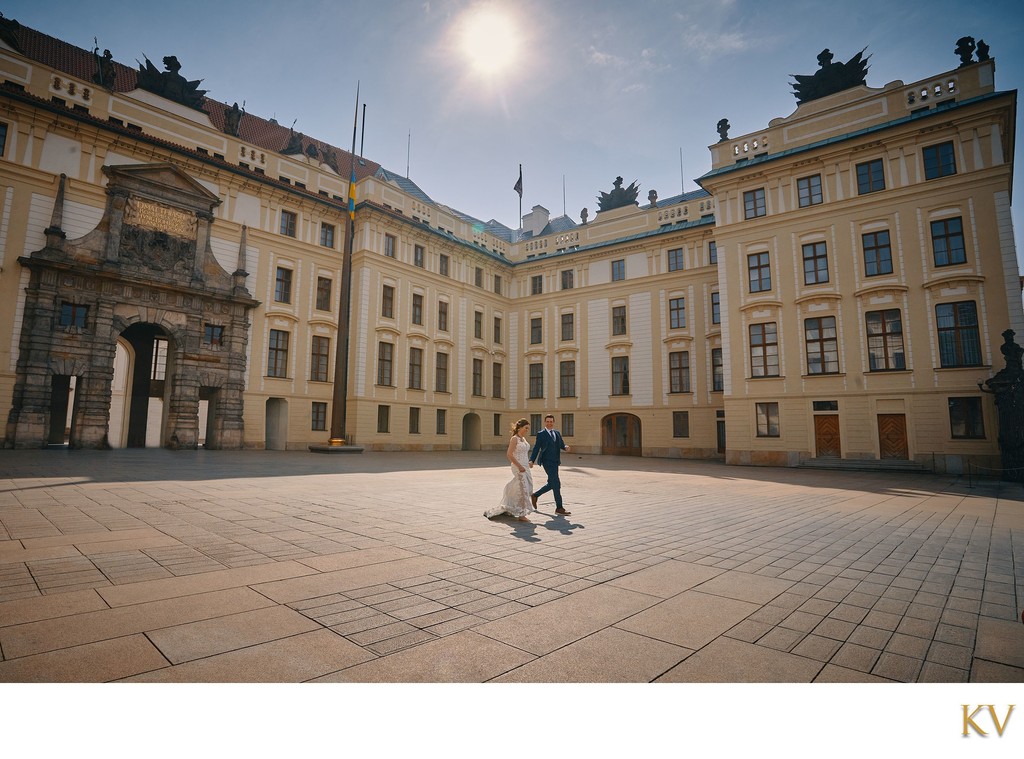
point(441, 373)
point(288, 223)
point(618, 320)
point(442, 265)
point(158, 368)
point(536, 381)
point(822, 345)
point(415, 368)
point(414, 420)
point(948, 242)
point(213, 334)
point(567, 279)
point(497, 330)
point(959, 341)
point(536, 331)
point(442, 422)
point(496, 380)
point(389, 245)
point(323, 294)
point(680, 424)
point(417, 255)
point(618, 270)
point(759, 272)
point(537, 284)
point(677, 313)
point(383, 418)
point(754, 203)
point(283, 285)
point(675, 259)
point(767, 419)
point(497, 284)
point(939, 161)
point(815, 263)
point(712, 252)
point(568, 425)
point(385, 364)
point(966, 419)
point(870, 177)
point(877, 253)
point(417, 309)
point(885, 340)
point(326, 234)
point(620, 375)
point(73, 315)
point(387, 302)
point(567, 379)
point(442, 316)
point(568, 326)
point(478, 325)
point(717, 370)
point(716, 308)
point(478, 376)
point(320, 359)
point(498, 431)
point(764, 350)
point(3, 139)
point(318, 416)
point(679, 372)
point(277, 354)
point(478, 277)
point(809, 190)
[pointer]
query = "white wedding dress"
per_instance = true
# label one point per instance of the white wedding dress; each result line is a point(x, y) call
point(516, 498)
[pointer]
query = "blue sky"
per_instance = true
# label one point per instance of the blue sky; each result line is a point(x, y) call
point(598, 89)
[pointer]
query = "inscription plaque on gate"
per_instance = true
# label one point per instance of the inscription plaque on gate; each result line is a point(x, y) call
point(157, 217)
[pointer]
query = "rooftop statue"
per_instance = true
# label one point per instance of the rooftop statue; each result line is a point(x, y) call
point(232, 120)
point(831, 77)
point(105, 72)
point(723, 129)
point(618, 197)
point(170, 84)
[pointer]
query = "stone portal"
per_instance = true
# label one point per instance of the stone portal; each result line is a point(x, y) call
point(145, 276)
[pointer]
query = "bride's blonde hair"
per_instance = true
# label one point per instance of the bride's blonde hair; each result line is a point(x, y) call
point(519, 425)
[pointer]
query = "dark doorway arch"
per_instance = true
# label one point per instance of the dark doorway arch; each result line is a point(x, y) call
point(148, 385)
point(621, 435)
point(471, 432)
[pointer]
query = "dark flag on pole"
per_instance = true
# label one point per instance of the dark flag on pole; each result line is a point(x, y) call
point(519, 183)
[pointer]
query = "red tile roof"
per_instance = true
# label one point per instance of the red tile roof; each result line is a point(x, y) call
point(268, 135)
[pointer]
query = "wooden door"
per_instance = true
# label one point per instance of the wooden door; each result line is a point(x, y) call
point(621, 435)
point(892, 437)
point(826, 436)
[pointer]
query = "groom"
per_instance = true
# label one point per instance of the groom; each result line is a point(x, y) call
point(547, 449)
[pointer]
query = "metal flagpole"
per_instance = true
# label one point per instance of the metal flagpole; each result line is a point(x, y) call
point(338, 411)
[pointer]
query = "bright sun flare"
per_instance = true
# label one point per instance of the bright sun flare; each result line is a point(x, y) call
point(490, 41)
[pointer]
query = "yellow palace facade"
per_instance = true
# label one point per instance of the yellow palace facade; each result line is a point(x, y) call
point(171, 274)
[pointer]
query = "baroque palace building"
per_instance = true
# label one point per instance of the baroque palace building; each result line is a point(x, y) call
point(172, 267)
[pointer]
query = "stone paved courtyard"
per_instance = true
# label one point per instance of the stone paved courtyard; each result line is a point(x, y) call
point(207, 566)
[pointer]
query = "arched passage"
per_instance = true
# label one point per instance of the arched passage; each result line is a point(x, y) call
point(471, 432)
point(621, 435)
point(150, 346)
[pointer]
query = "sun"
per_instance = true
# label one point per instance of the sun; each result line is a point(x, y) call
point(489, 40)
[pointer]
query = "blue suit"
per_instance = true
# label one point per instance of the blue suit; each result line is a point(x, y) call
point(547, 449)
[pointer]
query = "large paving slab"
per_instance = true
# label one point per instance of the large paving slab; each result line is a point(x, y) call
point(557, 623)
point(288, 660)
point(465, 657)
point(691, 619)
point(734, 661)
point(98, 662)
point(608, 656)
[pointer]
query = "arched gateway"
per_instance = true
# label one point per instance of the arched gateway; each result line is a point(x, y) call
point(146, 278)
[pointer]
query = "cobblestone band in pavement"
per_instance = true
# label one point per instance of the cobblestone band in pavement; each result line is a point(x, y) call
point(208, 566)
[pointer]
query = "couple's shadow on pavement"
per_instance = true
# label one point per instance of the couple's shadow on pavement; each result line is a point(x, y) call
point(555, 523)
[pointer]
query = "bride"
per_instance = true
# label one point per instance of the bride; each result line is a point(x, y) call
point(516, 498)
